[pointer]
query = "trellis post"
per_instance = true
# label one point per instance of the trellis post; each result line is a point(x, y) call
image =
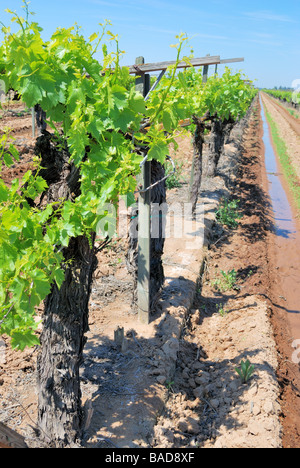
point(205, 72)
point(144, 220)
point(142, 70)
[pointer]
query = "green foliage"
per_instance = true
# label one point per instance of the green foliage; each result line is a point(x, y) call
point(245, 371)
point(280, 94)
point(227, 281)
point(29, 260)
point(175, 180)
point(166, 107)
point(228, 214)
point(227, 96)
point(221, 311)
point(98, 108)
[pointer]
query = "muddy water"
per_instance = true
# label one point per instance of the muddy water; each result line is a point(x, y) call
point(287, 237)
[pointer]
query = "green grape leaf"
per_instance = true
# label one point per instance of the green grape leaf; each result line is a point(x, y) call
point(24, 338)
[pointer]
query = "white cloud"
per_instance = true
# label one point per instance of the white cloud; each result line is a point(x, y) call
point(154, 29)
point(265, 15)
point(269, 43)
point(211, 36)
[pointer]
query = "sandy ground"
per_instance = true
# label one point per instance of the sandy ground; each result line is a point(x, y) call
point(173, 383)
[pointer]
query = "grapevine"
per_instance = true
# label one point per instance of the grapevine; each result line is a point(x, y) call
point(92, 114)
point(286, 96)
point(291, 97)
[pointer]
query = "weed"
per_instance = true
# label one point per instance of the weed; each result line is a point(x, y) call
point(228, 214)
point(175, 180)
point(220, 309)
point(227, 281)
point(169, 386)
point(293, 113)
point(245, 371)
point(116, 262)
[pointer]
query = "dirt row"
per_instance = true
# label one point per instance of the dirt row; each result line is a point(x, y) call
point(283, 109)
point(227, 327)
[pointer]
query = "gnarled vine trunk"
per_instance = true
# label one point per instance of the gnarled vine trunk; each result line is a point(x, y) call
point(214, 144)
point(212, 148)
point(65, 323)
point(65, 319)
point(40, 118)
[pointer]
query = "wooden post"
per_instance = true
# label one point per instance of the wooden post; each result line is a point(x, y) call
point(119, 336)
point(159, 66)
point(139, 81)
point(143, 285)
point(10, 438)
point(142, 82)
point(205, 71)
point(144, 210)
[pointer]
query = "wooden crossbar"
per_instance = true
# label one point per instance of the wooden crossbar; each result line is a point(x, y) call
point(196, 62)
point(153, 67)
point(232, 60)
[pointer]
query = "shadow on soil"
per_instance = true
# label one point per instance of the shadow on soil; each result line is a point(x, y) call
point(221, 390)
point(119, 382)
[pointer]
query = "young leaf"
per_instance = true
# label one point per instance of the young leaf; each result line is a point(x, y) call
point(24, 338)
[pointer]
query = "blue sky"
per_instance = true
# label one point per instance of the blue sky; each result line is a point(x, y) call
point(265, 33)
